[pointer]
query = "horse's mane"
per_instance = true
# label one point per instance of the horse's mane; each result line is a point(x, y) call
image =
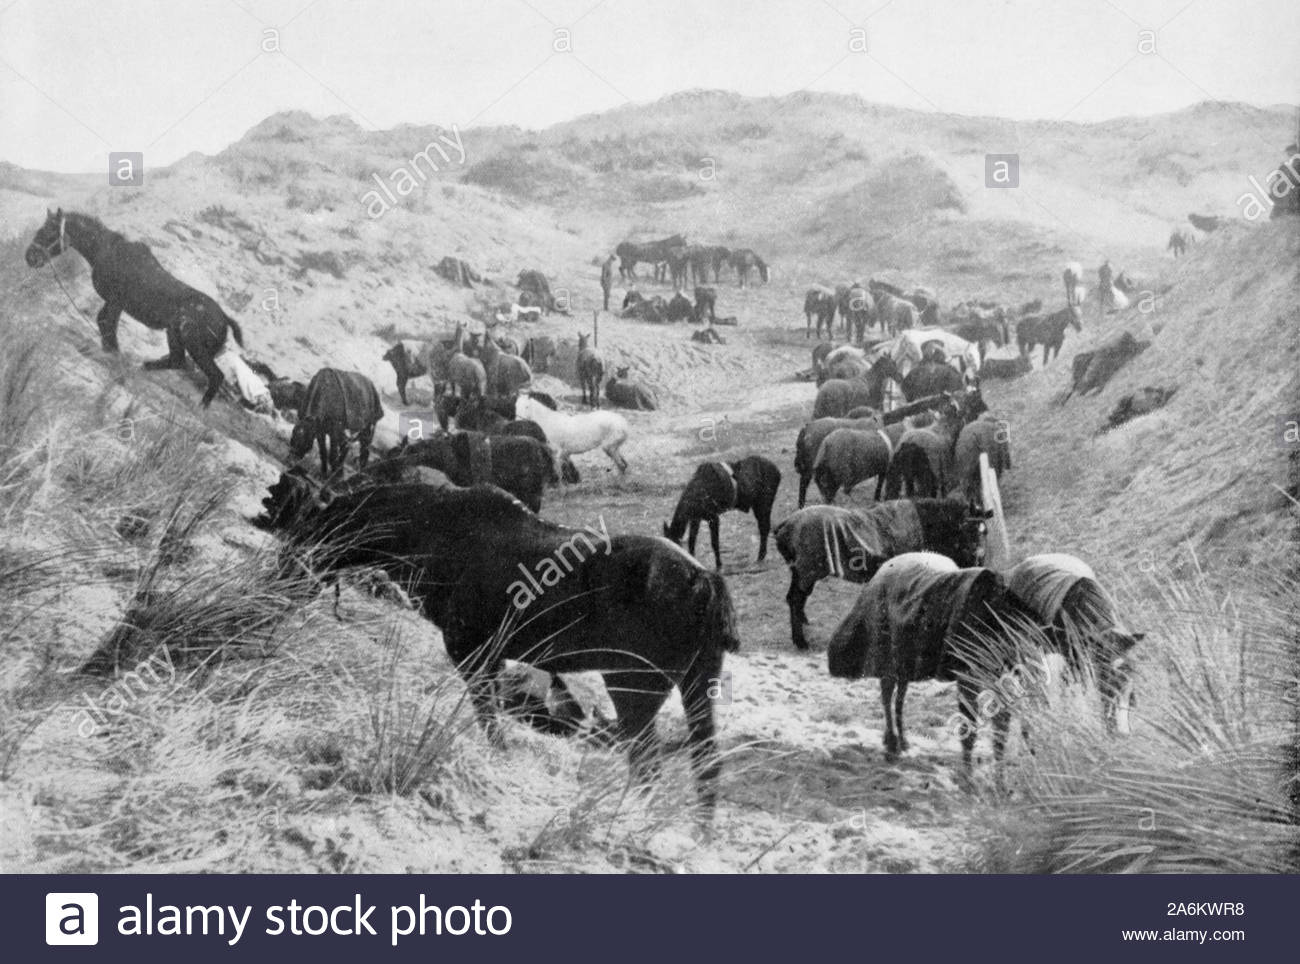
point(91, 221)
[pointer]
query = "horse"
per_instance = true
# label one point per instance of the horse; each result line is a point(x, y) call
point(506, 374)
point(1179, 241)
point(130, 279)
point(837, 397)
point(922, 617)
point(987, 435)
point(819, 303)
point(744, 260)
point(932, 378)
point(810, 438)
point(520, 465)
point(538, 352)
point(590, 368)
point(622, 392)
point(746, 485)
point(825, 540)
point(503, 584)
point(1081, 624)
point(894, 312)
point(582, 432)
point(336, 403)
point(465, 374)
point(922, 466)
point(630, 253)
point(850, 455)
point(856, 308)
point(1072, 275)
point(1048, 331)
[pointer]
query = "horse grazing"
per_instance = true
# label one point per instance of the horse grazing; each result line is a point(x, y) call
point(129, 279)
point(747, 485)
point(825, 540)
point(574, 434)
point(337, 403)
point(819, 303)
point(622, 392)
point(921, 617)
point(1048, 331)
point(503, 584)
point(744, 260)
point(1081, 623)
point(590, 368)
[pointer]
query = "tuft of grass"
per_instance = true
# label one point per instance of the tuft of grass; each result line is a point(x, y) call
point(1207, 781)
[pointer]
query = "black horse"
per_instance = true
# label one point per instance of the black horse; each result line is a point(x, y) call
point(503, 584)
point(747, 485)
point(336, 404)
point(826, 540)
point(129, 278)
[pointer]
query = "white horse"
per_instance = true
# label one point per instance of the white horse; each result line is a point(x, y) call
point(582, 432)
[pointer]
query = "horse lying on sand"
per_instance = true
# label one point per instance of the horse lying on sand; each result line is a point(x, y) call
point(503, 584)
point(129, 279)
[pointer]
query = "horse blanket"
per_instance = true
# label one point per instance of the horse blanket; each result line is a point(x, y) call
point(901, 625)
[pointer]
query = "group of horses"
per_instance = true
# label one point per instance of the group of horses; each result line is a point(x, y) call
point(453, 519)
point(674, 260)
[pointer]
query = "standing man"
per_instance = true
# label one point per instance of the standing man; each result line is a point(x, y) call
point(1106, 290)
point(607, 278)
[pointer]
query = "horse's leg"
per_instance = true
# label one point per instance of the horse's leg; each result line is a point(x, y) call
point(175, 357)
point(900, 694)
point(697, 687)
point(401, 389)
point(322, 443)
point(967, 694)
point(887, 703)
point(804, 479)
point(637, 696)
point(107, 320)
point(713, 538)
point(216, 378)
point(764, 517)
point(692, 532)
point(617, 457)
point(796, 597)
point(364, 438)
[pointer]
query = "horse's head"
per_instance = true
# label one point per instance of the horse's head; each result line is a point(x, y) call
point(622, 373)
point(1076, 318)
point(1115, 669)
point(50, 241)
point(583, 338)
point(673, 531)
point(395, 355)
point(304, 433)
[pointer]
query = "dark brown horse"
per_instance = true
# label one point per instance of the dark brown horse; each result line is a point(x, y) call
point(503, 584)
point(746, 485)
point(337, 404)
point(129, 279)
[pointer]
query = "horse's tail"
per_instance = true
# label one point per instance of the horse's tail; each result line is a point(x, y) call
point(235, 330)
point(712, 602)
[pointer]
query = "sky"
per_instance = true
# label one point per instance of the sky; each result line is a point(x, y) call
point(81, 78)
